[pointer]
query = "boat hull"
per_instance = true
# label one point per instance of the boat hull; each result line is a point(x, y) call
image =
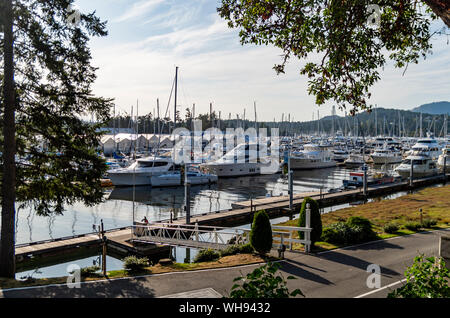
point(302, 164)
point(384, 160)
point(235, 169)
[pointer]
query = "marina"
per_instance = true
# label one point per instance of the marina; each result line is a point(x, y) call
point(121, 240)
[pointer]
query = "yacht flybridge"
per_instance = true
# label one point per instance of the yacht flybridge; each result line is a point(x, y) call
point(429, 145)
point(386, 155)
point(313, 156)
point(243, 160)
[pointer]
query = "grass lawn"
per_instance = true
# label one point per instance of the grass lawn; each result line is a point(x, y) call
point(226, 261)
point(434, 202)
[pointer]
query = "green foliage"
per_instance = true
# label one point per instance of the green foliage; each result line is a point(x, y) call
point(263, 283)
point(316, 219)
point(426, 278)
point(429, 223)
point(350, 51)
point(237, 249)
point(90, 271)
point(390, 228)
point(355, 230)
point(412, 226)
point(57, 161)
point(261, 233)
point(206, 255)
point(135, 264)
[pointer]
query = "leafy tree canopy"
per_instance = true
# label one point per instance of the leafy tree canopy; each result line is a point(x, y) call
point(56, 156)
point(344, 43)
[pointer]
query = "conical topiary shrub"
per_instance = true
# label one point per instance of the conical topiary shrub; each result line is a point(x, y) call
point(316, 220)
point(261, 233)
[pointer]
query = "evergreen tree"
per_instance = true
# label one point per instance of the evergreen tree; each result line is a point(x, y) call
point(48, 151)
point(261, 233)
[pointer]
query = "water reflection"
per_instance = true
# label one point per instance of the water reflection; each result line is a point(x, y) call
point(158, 203)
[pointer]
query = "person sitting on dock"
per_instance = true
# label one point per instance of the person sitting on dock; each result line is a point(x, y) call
point(145, 220)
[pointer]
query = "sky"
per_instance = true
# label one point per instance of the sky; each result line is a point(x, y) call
point(148, 38)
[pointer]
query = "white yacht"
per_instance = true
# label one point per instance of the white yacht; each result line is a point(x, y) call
point(312, 156)
point(243, 160)
point(355, 159)
point(340, 154)
point(386, 155)
point(423, 165)
point(141, 171)
point(444, 155)
point(173, 178)
point(429, 146)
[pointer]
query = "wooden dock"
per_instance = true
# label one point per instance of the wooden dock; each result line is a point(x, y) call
point(118, 240)
point(242, 212)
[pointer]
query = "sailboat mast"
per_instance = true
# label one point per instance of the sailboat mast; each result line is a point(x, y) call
point(175, 105)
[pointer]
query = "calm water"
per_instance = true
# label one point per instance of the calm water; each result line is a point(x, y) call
point(157, 203)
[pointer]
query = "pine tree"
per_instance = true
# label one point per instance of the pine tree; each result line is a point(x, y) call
point(261, 233)
point(48, 151)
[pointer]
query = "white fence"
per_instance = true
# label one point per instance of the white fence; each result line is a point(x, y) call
point(216, 237)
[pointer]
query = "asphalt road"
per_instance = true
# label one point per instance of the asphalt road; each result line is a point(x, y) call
point(340, 273)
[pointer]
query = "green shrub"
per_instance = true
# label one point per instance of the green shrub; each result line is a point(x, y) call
point(231, 250)
point(364, 223)
point(90, 271)
point(237, 249)
point(261, 233)
point(263, 283)
point(426, 278)
point(135, 264)
point(339, 233)
point(316, 219)
point(358, 230)
point(362, 229)
point(412, 226)
point(390, 228)
point(206, 255)
point(429, 223)
point(247, 249)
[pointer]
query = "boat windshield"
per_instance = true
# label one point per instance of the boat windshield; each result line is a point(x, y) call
point(151, 164)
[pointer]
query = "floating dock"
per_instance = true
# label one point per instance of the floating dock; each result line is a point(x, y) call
point(118, 242)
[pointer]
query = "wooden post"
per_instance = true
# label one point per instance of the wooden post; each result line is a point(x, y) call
point(421, 216)
point(104, 239)
point(187, 196)
point(365, 180)
point(291, 191)
point(445, 168)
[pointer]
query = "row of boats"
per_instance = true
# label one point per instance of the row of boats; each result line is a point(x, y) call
point(427, 157)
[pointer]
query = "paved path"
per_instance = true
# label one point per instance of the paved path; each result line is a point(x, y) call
point(338, 273)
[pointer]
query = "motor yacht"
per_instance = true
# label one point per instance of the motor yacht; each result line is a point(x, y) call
point(141, 171)
point(313, 156)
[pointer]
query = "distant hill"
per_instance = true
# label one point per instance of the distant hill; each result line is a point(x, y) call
point(437, 108)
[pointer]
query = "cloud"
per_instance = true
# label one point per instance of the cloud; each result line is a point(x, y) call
point(138, 9)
